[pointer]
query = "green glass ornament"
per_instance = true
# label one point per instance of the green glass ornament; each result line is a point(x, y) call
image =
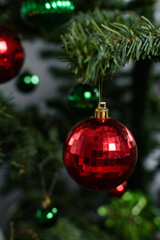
point(47, 217)
point(47, 14)
point(83, 97)
point(27, 82)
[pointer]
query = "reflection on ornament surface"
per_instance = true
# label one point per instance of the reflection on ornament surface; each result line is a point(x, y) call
point(118, 191)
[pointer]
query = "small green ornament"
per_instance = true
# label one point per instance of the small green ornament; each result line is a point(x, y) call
point(47, 217)
point(27, 82)
point(83, 97)
point(47, 14)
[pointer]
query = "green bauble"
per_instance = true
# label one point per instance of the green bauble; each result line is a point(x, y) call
point(47, 217)
point(27, 82)
point(83, 97)
point(47, 14)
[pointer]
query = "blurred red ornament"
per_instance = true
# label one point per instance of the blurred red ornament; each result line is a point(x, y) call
point(100, 153)
point(118, 191)
point(11, 54)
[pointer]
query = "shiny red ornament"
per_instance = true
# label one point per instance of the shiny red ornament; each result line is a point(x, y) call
point(100, 153)
point(118, 191)
point(11, 54)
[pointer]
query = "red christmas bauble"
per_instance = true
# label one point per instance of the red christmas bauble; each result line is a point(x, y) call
point(100, 153)
point(118, 191)
point(11, 54)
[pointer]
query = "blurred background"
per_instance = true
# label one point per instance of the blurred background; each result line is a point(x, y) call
point(38, 199)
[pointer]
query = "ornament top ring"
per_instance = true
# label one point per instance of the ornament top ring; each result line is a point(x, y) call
point(100, 153)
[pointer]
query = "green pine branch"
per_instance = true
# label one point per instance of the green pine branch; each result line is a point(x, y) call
point(103, 41)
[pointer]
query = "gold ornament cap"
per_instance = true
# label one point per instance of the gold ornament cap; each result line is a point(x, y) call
point(46, 202)
point(102, 111)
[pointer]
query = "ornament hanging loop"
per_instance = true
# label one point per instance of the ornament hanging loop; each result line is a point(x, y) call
point(102, 111)
point(100, 89)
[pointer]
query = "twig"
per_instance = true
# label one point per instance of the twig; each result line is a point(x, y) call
point(12, 230)
point(53, 184)
point(31, 233)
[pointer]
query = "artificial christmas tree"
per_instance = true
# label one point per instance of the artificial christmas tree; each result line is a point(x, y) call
point(97, 43)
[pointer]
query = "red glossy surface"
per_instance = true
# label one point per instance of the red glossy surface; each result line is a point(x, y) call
point(11, 55)
point(118, 191)
point(100, 154)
